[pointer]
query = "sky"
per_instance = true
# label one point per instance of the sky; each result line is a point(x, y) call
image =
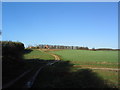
point(60, 0)
point(89, 24)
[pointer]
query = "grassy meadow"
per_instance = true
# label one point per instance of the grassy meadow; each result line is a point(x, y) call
point(72, 61)
point(68, 73)
point(37, 54)
point(107, 59)
point(94, 59)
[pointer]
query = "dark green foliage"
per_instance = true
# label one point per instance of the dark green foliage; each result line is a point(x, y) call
point(12, 53)
point(12, 58)
point(12, 50)
point(83, 48)
point(10, 47)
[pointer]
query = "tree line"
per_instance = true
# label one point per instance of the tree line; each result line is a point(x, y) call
point(46, 46)
point(41, 46)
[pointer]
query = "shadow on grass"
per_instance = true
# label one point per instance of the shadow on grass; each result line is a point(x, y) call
point(60, 75)
point(10, 72)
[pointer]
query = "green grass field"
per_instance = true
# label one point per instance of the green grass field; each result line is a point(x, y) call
point(93, 58)
point(99, 59)
point(80, 58)
point(36, 54)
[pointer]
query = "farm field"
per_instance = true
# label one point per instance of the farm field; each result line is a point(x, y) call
point(69, 68)
point(85, 58)
point(61, 75)
point(37, 54)
point(94, 59)
point(60, 45)
point(77, 59)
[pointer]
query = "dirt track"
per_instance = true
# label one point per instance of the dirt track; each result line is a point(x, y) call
point(29, 83)
point(109, 69)
point(55, 56)
point(98, 68)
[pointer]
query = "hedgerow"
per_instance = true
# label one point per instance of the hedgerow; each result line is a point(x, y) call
point(12, 51)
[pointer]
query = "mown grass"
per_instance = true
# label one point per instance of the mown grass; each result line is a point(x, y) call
point(85, 57)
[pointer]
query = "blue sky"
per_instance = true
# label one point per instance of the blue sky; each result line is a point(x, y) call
point(64, 23)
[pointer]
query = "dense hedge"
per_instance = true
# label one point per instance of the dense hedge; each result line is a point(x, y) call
point(12, 60)
point(12, 51)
